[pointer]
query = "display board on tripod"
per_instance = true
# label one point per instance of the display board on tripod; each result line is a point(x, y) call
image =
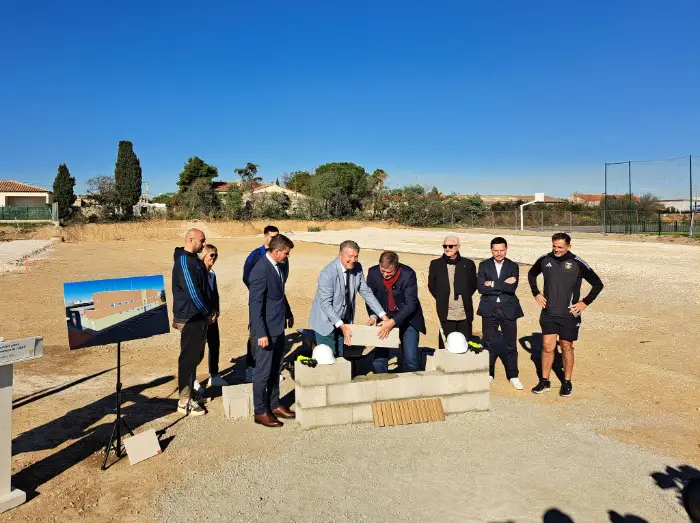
point(102, 312)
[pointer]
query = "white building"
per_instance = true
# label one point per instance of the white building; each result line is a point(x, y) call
point(16, 194)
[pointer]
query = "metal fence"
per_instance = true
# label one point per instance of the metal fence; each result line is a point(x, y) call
point(26, 212)
point(614, 222)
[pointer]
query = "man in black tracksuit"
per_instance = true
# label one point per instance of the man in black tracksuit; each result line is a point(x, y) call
point(193, 311)
point(561, 305)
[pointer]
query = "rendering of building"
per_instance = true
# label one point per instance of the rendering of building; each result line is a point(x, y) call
point(112, 307)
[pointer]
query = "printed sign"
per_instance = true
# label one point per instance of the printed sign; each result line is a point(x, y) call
point(20, 350)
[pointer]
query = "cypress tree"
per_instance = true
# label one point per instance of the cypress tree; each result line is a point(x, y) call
point(63, 194)
point(127, 177)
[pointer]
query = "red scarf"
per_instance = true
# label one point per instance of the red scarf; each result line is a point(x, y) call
point(389, 284)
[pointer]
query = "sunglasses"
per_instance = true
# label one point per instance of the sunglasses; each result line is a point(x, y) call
point(449, 246)
point(214, 256)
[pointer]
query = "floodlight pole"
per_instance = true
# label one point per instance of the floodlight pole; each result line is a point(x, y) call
point(539, 197)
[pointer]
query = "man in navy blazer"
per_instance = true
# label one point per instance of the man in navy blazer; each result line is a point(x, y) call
point(396, 288)
point(270, 314)
point(497, 280)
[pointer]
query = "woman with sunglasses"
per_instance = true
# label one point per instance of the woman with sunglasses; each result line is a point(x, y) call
point(452, 282)
point(209, 255)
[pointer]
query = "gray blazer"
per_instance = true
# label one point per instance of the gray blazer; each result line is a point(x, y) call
point(328, 307)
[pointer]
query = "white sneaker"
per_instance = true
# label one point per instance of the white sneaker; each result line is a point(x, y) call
point(516, 383)
point(217, 381)
point(490, 379)
point(198, 386)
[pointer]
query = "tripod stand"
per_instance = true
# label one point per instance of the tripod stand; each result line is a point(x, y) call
point(115, 440)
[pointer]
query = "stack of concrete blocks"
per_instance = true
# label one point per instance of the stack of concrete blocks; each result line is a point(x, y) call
point(326, 394)
point(238, 401)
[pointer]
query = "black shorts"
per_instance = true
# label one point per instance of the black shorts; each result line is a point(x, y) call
point(565, 326)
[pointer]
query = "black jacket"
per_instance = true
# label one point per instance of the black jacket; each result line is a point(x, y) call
point(191, 293)
point(465, 284)
point(405, 296)
point(267, 303)
point(562, 281)
point(500, 289)
point(215, 302)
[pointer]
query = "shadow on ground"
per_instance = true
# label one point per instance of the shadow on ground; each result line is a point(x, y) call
point(533, 345)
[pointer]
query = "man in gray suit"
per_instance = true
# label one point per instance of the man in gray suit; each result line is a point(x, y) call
point(333, 309)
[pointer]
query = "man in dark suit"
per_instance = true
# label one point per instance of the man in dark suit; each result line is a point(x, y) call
point(270, 314)
point(396, 288)
point(499, 307)
point(452, 282)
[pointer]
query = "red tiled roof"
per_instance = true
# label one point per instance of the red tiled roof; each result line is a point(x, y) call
point(13, 186)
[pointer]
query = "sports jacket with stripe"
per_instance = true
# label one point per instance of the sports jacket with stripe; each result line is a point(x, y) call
point(191, 291)
point(562, 281)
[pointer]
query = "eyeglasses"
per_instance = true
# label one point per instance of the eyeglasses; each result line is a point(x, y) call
point(449, 246)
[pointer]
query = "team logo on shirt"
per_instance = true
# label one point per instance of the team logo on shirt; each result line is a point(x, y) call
point(568, 265)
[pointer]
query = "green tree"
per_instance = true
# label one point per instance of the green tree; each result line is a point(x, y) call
point(195, 169)
point(277, 182)
point(127, 177)
point(272, 205)
point(166, 198)
point(233, 202)
point(342, 187)
point(379, 177)
point(103, 190)
point(63, 191)
point(249, 176)
point(298, 181)
point(200, 200)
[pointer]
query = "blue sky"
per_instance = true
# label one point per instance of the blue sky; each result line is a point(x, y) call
point(83, 290)
point(486, 97)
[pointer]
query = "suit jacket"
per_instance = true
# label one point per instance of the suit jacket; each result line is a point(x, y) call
point(328, 307)
point(505, 291)
point(405, 296)
point(439, 285)
point(267, 303)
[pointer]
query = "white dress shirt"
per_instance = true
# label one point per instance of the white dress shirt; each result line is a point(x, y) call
point(499, 266)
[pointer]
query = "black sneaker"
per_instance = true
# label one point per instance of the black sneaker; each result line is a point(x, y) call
point(542, 386)
point(566, 388)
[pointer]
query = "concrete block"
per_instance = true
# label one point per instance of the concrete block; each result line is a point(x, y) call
point(430, 362)
point(142, 446)
point(12, 499)
point(356, 392)
point(324, 416)
point(238, 400)
point(437, 383)
point(399, 386)
point(362, 413)
point(310, 397)
point(467, 362)
point(339, 372)
point(478, 381)
point(476, 401)
point(366, 335)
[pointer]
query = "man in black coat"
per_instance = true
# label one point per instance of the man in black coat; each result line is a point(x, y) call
point(499, 307)
point(396, 288)
point(270, 314)
point(452, 282)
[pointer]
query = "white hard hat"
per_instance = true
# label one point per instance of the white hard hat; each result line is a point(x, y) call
point(323, 355)
point(456, 343)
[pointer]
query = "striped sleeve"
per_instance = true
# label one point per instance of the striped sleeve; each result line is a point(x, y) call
point(191, 288)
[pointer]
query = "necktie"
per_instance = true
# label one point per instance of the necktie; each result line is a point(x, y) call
point(348, 302)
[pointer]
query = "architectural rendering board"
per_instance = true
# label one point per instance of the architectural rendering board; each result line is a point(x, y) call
point(102, 312)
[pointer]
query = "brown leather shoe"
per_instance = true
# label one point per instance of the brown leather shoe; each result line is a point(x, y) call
point(283, 412)
point(267, 420)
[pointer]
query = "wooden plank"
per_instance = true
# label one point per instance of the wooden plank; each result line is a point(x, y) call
point(366, 335)
point(375, 416)
point(441, 411)
point(382, 409)
point(429, 408)
point(397, 420)
point(436, 409)
point(388, 415)
point(423, 411)
point(402, 408)
point(414, 411)
point(406, 412)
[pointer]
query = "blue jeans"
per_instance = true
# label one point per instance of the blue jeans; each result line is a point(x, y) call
point(411, 360)
point(334, 340)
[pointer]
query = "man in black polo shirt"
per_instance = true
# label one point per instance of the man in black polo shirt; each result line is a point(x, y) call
point(561, 305)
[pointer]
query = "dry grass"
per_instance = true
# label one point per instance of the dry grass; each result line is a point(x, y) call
point(176, 229)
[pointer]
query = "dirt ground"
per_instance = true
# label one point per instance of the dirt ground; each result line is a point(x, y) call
point(635, 393)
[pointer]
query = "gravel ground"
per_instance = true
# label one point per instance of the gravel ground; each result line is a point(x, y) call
point(511, 464)
point(13, 252)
